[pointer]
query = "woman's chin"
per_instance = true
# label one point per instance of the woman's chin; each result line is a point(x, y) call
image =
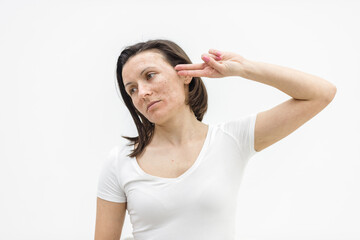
point(156, 118)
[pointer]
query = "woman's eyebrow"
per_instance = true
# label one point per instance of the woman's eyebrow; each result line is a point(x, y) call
point(128, 83)
point(145, 70)
point(140, 74)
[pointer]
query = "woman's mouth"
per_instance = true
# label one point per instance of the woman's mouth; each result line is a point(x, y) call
point(150, 106)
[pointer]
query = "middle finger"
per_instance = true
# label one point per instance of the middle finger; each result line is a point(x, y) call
point(195, 66)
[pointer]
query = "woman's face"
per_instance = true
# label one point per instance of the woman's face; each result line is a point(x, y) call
point(148, 77)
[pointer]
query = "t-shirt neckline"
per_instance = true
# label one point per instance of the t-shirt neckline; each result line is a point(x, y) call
point(187, 172)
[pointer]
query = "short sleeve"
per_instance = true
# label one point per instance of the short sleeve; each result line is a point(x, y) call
point(243, 131)
point(108, 185)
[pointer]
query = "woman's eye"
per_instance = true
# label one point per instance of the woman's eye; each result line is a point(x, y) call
point(147, 77)
point(131, 91)
point(149, 74)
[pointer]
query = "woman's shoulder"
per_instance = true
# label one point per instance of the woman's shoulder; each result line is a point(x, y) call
point(120, 150)
point(241, 120)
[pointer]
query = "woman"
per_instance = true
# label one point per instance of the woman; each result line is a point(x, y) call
point(181, 176)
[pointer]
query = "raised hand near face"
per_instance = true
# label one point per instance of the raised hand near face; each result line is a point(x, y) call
point(217, 64)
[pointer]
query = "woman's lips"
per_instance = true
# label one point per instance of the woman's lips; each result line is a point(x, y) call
point(151, 104)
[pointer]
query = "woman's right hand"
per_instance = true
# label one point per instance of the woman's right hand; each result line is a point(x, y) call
point(217, 64)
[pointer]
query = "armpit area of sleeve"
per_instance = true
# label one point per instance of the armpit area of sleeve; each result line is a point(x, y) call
point(252, 135)
point(111, 198)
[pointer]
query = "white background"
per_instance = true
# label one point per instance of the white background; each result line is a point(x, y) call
point(61, 113)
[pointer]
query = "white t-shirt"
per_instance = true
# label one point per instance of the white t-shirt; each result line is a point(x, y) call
point(199, 204)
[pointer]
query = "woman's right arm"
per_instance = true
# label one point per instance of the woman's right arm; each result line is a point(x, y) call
point(110, 218)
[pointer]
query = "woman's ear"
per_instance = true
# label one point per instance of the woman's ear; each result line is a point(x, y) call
point(187, 79)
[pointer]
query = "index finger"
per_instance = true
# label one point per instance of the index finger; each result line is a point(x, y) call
point(195, 66)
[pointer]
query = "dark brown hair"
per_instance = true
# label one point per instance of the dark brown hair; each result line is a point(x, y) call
point(173, 54)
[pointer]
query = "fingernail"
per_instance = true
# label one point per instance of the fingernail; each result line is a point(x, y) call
point(218, 58)
point(206, 58)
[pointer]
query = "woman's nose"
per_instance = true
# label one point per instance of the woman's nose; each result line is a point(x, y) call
point(144, 90)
